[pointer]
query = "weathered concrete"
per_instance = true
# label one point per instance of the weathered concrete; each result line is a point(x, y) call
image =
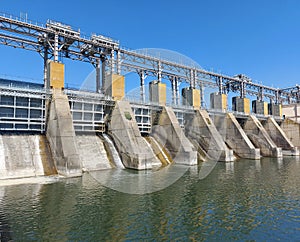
point(235, 137)
point(191, 97)
point(21, 156)
point(93, 155)
point(260, 107)
point(201, 128)
point(291, 111)
point(279, 137)
point(275, 109)
point(61, 136)
point(292, 130)
point(134, 151)
point(241, 104)
point(260, 138)
point(218, 101)
point(169, 133)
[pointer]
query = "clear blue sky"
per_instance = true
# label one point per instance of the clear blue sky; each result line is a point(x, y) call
point(258, 38)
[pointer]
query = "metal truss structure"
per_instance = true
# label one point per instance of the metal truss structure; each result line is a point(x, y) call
point(55, 40)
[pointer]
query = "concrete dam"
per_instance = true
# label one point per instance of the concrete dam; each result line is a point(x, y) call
point(48, 129)
point(67, 132)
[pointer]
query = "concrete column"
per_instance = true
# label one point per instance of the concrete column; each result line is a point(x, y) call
point(241, 105)
point(218, 101)
point(191, 97)
point(115, 86)
point(55, 74)
point(260, 107)
point(275, 109)
point(157, 92)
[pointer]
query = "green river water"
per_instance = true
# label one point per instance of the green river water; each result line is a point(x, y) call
point(242, 201)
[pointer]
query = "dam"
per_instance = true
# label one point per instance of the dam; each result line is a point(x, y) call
point(49, 129)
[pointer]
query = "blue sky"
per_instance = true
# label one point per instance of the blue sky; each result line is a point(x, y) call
point(258, 38)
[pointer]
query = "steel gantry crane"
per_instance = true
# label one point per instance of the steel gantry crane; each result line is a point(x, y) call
point(56, 40)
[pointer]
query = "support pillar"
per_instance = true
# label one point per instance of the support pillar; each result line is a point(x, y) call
point(275, 109)
point(98, 78)
point(142, 85)
point(46, 80)
point(260, 107)
point(218, 101)
point(191, 97)
point(157, 92)
point(173, 90)
point(240, 104)
point(115, 86)
point(55, 74)
point(55, 51)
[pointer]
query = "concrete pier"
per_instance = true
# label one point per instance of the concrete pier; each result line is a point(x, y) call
point(275, 109)
point(291, 128)
point(235, 137)
point(260, 107)
point(61, 136)
point(171, 136)
point(218, 101)
point(260, 137)
point(241, 105)
point(133, 149)
point(157, 92)
point(191, 97)
point(202, 130)
point(279, 137)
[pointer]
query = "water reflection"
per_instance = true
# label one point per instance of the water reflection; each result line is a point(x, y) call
point(245, 200)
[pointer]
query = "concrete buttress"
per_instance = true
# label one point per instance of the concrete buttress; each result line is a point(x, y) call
point(260, 138)
point(134, 150)
point(279, 137)
point(61, 135)
point(202, 130)
point(235, 137)
point(171, 135)
point(292, 130)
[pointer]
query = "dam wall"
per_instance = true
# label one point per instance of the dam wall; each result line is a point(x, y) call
point(79, 133)
point(168, 132)
point(279, 137)
point(234, 136)
point(202, 130)
point(25, 155)
point(260, 137)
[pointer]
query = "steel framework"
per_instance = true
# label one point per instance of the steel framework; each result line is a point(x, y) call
point(55, 40)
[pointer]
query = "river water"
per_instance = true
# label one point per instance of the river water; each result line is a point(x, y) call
point(244, 200)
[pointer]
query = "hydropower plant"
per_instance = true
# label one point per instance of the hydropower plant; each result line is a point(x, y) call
point(49, 129)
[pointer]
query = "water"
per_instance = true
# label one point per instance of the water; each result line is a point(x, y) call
point(244, 200)
point(115, 155)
